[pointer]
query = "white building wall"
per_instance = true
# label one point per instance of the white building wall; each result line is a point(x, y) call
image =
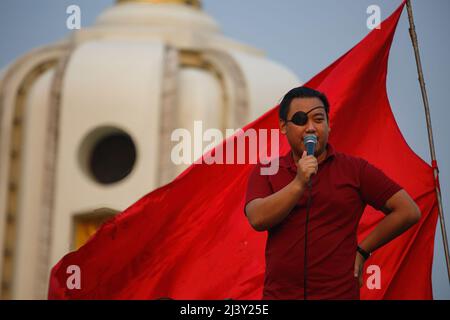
point(199, 99)
point(106, 83)
point(31, 182)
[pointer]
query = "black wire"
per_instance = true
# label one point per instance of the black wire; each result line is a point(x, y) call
point(305, 260)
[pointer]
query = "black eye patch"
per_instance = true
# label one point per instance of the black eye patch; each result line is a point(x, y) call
point(300, 118)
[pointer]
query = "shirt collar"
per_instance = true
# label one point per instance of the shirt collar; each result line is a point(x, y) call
point(287, 161)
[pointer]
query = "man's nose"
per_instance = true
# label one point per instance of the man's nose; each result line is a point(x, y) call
point(310, 128)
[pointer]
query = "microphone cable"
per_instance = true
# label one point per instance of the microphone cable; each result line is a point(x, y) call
point(305, 260)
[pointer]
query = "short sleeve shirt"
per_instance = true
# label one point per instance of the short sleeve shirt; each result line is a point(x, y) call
point(340, 191)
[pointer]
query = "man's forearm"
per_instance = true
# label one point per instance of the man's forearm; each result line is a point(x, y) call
point(271, 210)
point(393, 225)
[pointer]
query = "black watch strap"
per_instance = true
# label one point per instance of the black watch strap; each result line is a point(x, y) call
point(363, 252)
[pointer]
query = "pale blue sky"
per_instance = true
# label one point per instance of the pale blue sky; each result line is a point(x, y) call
point(306, 36)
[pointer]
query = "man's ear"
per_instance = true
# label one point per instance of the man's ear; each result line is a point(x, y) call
point(282, 126)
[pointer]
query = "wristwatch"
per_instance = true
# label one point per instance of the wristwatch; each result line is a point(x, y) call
point(363, 252)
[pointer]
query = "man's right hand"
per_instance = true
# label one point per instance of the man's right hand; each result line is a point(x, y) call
point(306, 167)
point(265, 213)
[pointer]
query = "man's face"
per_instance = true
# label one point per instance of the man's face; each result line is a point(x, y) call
point(317, 124)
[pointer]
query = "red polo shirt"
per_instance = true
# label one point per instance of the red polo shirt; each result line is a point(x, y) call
point(341, 189)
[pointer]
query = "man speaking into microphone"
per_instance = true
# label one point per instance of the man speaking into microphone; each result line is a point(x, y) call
point(312, 206)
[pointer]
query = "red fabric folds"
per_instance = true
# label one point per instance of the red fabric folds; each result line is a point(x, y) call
point(190, 239)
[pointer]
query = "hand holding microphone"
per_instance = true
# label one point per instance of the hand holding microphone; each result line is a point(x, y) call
point(307, 165)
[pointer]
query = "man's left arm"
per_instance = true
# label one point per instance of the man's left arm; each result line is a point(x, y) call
point(402, 213)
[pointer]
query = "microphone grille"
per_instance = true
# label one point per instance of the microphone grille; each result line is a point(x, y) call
point(310, 138)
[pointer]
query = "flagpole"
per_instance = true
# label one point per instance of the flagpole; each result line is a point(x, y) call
point(412, 32)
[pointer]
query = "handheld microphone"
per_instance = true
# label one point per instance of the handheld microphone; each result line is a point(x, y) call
point(310, 142)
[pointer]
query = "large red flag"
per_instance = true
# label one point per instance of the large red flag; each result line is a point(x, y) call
point(191, 240)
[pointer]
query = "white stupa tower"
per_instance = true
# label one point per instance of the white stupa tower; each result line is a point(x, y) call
point(86, 123)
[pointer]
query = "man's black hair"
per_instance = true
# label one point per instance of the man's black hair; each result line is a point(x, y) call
point(301, 92)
